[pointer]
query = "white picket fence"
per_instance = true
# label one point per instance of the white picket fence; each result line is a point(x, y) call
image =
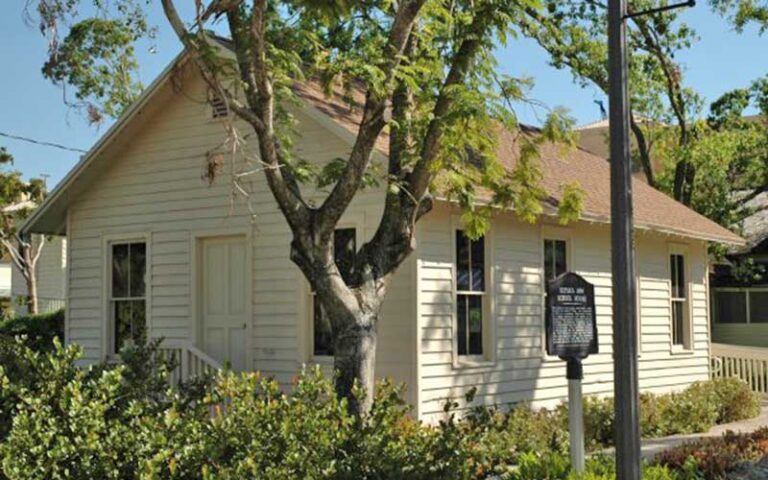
point(191, 361)
point(747, 363)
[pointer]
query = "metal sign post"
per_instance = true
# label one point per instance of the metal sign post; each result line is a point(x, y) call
point(571, 323)
point(575, 373)
point(627, 434)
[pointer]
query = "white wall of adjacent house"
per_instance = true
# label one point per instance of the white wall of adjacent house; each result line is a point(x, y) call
point(154, 190)
point(514, 367)
point(51, 274)
point(5, 279)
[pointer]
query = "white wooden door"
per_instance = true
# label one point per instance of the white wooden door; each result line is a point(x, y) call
point(224, 285)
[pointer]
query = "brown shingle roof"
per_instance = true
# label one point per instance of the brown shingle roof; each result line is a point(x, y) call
point(653, 209)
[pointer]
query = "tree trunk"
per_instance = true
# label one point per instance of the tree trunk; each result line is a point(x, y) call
point(30, 278)
point(354, 362)
point(644, 151)
point(32, 305)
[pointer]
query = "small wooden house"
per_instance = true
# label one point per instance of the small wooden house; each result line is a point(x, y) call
point(156, 242)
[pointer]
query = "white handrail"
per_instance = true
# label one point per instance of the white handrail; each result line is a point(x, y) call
point(750, 364)
point(191, 361)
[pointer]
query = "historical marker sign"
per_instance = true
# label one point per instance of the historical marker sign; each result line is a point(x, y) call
point(571, 321)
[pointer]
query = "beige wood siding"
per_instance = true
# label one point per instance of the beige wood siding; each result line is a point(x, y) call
point(154, 187)
point(521, 371)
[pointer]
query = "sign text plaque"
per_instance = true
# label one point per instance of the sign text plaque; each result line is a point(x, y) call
point(570, 317)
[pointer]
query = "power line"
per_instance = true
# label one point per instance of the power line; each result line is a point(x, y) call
point(43, 143)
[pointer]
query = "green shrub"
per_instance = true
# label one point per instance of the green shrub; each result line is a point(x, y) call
point(540, 430)
point(39, 330)
point(695, 409)
point(733, 398)
point(121, 422)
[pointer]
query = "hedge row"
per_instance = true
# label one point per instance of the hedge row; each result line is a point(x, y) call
point(696, 409)
point(39, 330)
point(119, 422)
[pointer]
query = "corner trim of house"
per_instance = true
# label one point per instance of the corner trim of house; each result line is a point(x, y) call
point(68, 280)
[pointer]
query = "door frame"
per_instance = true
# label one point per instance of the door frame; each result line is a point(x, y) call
point(196, 298)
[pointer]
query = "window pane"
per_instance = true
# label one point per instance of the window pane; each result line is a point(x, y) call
point(758, 307)
point(475, 320)
point(345, 248)
point(678, 309)
point(322, 329)
point(130, 322)
point(555, 258)
point(673, 275)
point(560, 258)
point(478, 264)
point(462, 261)
point(120, 271)
point(461, 314)
point(549, 262)
point(138, 264)
point(730, 307)
point(677, 276)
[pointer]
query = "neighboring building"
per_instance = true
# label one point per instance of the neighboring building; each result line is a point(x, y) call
point(51, 269)
point(593, 137)
point(51, 274)
point(740, 301)
point(5, 282)
point(153, 245)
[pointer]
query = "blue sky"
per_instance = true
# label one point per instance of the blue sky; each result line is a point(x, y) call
point(32, 107)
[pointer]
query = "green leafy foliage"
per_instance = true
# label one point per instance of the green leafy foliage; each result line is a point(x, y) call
point(695, 409)
point(122, 422)
point(13, 191)
point(97, 58)
point(38, 330)
point(744, 12)
point(729, 154)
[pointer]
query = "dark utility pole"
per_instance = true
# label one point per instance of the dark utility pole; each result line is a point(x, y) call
point(626, 392)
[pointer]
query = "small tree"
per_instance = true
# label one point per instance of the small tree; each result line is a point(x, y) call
point(17, 199)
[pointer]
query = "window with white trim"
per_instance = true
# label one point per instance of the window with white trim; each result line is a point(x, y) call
point(470, 295)
point(679, 301)
point(345, 248)
point(127, 293)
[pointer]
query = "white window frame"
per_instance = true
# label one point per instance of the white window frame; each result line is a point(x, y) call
point(687, 346)
point(488, 357)
point(747, 291)
point(356, 222)
point(108, 241)
point(551, 233)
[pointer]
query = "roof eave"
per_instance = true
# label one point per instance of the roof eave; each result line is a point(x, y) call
point(728, 239)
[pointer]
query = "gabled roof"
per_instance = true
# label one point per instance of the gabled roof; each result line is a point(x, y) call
point(653, 209)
